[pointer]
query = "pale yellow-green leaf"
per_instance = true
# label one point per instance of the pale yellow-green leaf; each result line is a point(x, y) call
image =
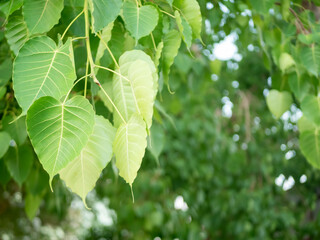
point(81, 174)
point(129, 147)
point(278, 102)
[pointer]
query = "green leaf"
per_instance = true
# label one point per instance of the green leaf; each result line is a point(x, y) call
point(4, 173)
point(278, 102)
point(104, 12)
point(190, 10)
point(310, 146)
point(184, 29)
point(41, 15)
point(4, 143)
point(107, 86)
point(10, 6)
point(134, 92)
point(157, 140)
point(36, 183)
point(140, 21)
point(310, 107)
point(42, 69)
point(286, 61)
point(310, 59)
point(16, 128)
point(304, 124)
point(59, 131)
point(5, 70)
point(171, 45)
point(32, 204)
point(16, 33)
point(129, 147)
point(82, 173)
point(299, 85)
point(158, 56)
point(106, 36)
point(19, 162)
point(262, 6)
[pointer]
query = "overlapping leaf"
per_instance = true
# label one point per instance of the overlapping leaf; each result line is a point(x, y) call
point(140, 21)
point(16, 33)
point(104, 12)
point(59, 131)
point(82, 173)
point(129, 147)
point(310, 106)
point(184, 28)
point(41, 15)
point(134, 91)
point(105, 38)
point(5, 141)
point(310, 59)
point(42, 69)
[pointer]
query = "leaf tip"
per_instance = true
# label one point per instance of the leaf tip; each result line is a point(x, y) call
point(132, 195)
point(50, 184)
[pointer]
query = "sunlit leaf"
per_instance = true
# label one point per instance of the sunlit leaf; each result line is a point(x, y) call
point(140, 21)
point(82, 173)
point(41, 15)
point(42, 69)
point(129, 147)
point(310, 106)
point(104, 12)
point(16, 33)
point(58, 131)
point(184, 29)
point(278, 102)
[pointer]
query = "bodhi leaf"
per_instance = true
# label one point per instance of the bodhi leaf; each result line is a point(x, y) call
point(140, 21)
point(58, 131)
point(171, 45)
point(10, 6)
point(5, 70)
point(41, 15)
point(184, 28)
point(4, 173)
point(310, 146)
point(32, 204)
point(157, 56)
point(286, 62)
point(129, 147)
point(156, 141)
point(278, 102)
point(19, 161)
point(190, 10)
point(104, 12)
point(5, 141)
point(16, 128)
point(310, 59)
point(16, 33)
point(133, 91)
point(310, 106)
point(83, 172)
point(42, 69)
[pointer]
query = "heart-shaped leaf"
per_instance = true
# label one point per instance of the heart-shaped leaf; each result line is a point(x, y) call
point(129, 147)
point(59, 131)
point(42, 15)
point(278, 102)
point(42, 69)
point(83, 172)
point(140, 21)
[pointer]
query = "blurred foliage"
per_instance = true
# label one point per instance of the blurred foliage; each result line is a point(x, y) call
point(215, 176)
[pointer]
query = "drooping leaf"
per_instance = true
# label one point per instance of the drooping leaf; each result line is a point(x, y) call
point(129, 147)
point(310, 59)
point(106, 36)
point(278, 102)
point(107, 86)
point(58, 131)
point(310, 106)
point(37, 182)
point(156, 142)
point(299, 85)
point(16, 33)
point(184, 29)
point(104, 12)
point(158, 56)
point(6, 71)
point(42, 69)
point(32, 204)
point(133, 91)
point(286, 61)
point(140, 21)
point(310, 146)
point(19, 161)
point(171, 45)
point(41, 15)
point(4, 143)
point(16, 128)
point(190, 10)
point(81, 174)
